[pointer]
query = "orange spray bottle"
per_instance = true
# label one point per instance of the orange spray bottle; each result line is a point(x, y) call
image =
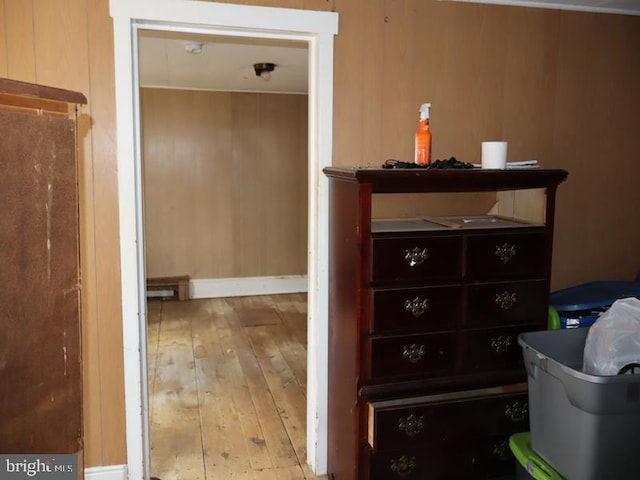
point(423, 137)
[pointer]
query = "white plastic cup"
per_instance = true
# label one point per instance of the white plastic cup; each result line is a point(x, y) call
point(494, 155)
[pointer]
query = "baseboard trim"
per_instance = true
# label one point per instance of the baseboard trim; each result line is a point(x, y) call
point(237, 287)
point(110, 472)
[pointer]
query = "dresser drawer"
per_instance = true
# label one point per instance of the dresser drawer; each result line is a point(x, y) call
point(427, 309)
point(501, 255)
point(492, 348)
point(481, 460)
point(447, 418)
point(417, 258)
point(437, 436)
point(505, 303)
point(412, 355)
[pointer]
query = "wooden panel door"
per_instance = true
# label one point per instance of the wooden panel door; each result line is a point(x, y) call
point(40, 354)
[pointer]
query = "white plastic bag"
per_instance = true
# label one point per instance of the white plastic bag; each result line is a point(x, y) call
point(613, 341)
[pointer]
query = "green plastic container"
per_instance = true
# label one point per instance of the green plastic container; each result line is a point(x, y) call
point(528, 464)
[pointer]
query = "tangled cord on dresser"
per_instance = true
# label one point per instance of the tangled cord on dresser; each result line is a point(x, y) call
point(451, 163)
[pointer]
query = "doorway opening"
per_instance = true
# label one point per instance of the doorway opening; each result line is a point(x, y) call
point(315, 28)
point(224, 155)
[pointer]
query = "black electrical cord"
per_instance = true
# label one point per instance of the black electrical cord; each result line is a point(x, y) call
point(451, 163)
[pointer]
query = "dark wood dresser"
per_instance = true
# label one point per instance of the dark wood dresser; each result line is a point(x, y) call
point(425, 373)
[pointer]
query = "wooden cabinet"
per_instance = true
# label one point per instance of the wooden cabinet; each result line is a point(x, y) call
point(425, 373)
point(40, 366)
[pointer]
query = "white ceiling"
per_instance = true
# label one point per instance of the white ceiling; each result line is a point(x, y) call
point(226, 63)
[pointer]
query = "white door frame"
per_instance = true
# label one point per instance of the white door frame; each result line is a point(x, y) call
point(315, 28)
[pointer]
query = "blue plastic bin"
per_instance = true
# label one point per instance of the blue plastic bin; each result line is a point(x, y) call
point(580, 306)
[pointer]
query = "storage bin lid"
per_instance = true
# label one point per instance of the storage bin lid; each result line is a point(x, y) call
point(593, 295)
point(519, 444)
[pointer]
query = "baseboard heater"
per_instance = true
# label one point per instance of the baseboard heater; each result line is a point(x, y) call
point(169, 286)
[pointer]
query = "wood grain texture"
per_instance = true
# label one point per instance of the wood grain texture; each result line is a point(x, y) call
point(19, 35)
point(249, 396)
point(562, 87)
point(3, 44)
point(104, 215)
point(225, 183)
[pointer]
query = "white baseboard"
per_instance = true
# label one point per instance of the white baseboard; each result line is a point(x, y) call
point(110, 472)
point(238, 287)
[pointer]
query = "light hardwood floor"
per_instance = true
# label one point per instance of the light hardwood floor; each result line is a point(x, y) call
point(227, 388)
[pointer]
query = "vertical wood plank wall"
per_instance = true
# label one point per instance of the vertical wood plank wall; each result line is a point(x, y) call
point(69, 44)
point(225, 178)
point(560, 86)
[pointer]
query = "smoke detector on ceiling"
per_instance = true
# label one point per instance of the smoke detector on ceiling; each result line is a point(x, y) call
point(193, 47)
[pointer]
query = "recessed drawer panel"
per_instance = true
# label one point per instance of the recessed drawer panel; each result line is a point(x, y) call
point(412, 355)
point(426, 309)
point(492, 349)
point(490, 458)
point(447, 418)
point(417, 258)
point(494, 304)
point(436, 427)
point(505, 255)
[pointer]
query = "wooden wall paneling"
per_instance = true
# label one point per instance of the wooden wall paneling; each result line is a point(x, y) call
point(213, 187)
point(288, 253)
point(187, 152)
point(348, 97)
point(60, 43)
point(167, 161)
point(427, 71)
point(61, 59)
point(398, 81)
point(532, 68)
point(250, 150)
point(588, 135)
point(591, 128)
point(284, 188)
point(266, 165)
point(19, 35)
point(373, 121)
point(3, 43)
point(104, 215)
point(478, 75)
point(572, 151)
point(225, 183)
point(433, 24)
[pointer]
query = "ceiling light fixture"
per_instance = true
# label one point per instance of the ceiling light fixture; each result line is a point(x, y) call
point(263, 70)
point(193, 47)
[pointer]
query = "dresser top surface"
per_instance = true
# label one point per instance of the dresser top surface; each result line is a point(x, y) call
point(453, 180)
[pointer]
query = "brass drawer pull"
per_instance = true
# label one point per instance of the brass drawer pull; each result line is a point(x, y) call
point(501, 344)
point(517, 412)
point(403, 466)
point(505, 252)
point(416, 256)
point(506, 300)
point(417, 306)
point(502, 451)
point(413, 353)
point(411, 426)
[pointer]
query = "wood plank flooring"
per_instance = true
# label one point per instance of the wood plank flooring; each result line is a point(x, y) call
point(227, 388)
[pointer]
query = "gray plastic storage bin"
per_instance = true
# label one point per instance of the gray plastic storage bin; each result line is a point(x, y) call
point(586, 427)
